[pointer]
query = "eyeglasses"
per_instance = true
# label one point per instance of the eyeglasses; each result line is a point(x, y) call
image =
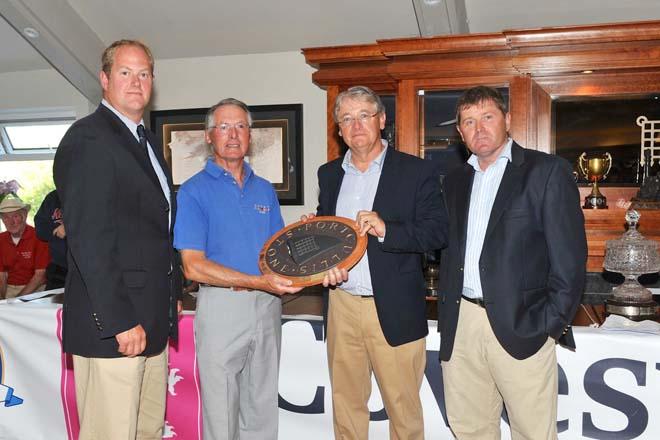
point(348, 121)
point(224, 127)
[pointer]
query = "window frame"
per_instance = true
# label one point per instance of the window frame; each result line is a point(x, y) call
point(33, 116)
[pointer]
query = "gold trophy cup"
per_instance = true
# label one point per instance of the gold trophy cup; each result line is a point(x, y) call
point(595, 169)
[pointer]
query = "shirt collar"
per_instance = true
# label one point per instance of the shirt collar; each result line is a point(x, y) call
point(375, 165)
point(132, 126)
point(217, 171)
point(28, 232)
point(504, 154)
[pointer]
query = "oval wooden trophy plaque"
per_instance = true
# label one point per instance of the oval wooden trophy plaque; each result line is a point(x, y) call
point(304, 251)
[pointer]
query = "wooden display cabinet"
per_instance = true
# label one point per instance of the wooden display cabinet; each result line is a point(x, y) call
point(537, 65)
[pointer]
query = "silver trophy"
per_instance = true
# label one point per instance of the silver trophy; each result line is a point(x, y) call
point(632, 255)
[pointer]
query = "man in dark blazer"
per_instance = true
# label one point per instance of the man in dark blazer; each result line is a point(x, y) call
point(511, 278)
point(120, 301)
point(376, 316)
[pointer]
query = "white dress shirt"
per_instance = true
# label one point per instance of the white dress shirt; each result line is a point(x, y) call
point(357, 193)
point(162, 179)
point(484, 189)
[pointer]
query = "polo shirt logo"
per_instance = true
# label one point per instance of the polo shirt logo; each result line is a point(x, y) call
point(262, 209)
point(26, 254)
point(57, 215)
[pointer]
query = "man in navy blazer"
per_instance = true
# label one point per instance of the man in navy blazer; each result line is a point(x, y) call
point(511, 278)
point(376, 316)
point(120, 301)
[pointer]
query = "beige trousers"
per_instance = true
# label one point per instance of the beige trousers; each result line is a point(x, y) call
point(481, 376)
point(121, 398)
point(356, 348)
point(13, 290)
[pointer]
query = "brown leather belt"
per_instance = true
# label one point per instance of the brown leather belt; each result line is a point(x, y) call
point(477, 301)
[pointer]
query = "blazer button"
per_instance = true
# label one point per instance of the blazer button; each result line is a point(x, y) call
point(461, 269)
point(458, 301)
point(167, 208)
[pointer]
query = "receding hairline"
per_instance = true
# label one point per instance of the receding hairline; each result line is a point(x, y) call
point(109, 55)
point(210, 114)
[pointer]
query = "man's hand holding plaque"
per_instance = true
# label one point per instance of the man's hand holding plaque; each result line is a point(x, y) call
point(317, 250)
point(370, 223)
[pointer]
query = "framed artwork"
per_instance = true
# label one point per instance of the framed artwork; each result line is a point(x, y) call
point(275, 153)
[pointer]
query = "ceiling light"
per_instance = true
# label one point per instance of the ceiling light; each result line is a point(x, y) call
point(587, 71)
point(30, 32)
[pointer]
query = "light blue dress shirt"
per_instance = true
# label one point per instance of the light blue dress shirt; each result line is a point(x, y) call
point(357, 193)
point(162, 179)
point(484, 189)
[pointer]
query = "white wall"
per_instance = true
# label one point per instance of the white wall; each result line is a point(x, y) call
point(260, 79)
point(37, 89)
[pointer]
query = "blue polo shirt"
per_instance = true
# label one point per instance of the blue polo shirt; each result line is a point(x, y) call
point(229, 223)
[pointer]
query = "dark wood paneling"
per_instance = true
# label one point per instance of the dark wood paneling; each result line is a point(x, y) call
point(407, 118)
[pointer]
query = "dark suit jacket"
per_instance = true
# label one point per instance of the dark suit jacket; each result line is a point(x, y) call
point(122, 269)
point(533, 261)
point(408, 200)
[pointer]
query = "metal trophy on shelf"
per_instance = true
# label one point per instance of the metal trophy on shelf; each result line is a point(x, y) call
point(632, 255)
point(595, 169)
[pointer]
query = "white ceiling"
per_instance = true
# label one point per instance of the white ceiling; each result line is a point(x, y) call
point(15, 53)
point(197, 28)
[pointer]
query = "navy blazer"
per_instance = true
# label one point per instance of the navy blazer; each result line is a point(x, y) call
point(122, 266)
point(409, 201)
point(533, 261)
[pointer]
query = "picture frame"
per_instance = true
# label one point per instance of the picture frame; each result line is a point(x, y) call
point(276, 146)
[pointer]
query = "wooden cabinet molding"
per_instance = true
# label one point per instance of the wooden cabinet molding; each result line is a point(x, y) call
point(538, 65)
point(534, 51)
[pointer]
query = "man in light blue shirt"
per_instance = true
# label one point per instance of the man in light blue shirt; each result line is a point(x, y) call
point(511, 278)
point(226, 214)
point(376, 315)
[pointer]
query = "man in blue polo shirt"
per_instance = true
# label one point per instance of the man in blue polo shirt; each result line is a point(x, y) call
point(226, 214)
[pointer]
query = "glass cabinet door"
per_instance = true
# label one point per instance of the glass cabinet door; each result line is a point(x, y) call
point(600, 125)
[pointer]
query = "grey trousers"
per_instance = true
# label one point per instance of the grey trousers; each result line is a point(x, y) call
point(238, 338)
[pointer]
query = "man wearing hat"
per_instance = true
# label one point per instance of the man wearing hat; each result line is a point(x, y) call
point(23, 257)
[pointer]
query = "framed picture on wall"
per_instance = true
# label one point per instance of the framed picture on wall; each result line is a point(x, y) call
point(275, 153)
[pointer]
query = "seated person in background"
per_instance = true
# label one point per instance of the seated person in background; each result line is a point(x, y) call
point(23, 257)
point(50, 228)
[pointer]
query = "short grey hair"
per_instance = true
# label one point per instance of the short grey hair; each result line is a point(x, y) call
point(210, 122)
point(359, 93)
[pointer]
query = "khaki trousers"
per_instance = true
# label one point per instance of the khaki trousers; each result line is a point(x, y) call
point(13, 290)
point(481, 376)
point(121, 398)
point(356, 348)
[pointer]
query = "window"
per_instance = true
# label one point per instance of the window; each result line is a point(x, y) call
point(28, 142)
point(33, 132)
point(33, 136)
